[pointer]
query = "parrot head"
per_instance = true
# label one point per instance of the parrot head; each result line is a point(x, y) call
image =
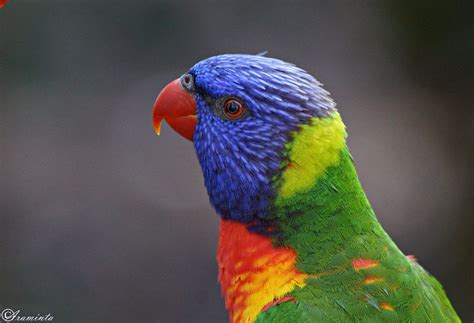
point(241, 112)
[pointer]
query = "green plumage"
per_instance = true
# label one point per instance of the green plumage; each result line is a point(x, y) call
point(329, 226)
point(281, 170)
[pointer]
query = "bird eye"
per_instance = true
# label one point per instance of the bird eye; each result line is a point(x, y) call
point(233, 108)
point(187, 82)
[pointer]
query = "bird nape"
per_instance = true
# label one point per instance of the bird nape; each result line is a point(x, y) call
point(298, 240)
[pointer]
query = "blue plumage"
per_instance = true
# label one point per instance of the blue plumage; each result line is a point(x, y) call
point(241, 160)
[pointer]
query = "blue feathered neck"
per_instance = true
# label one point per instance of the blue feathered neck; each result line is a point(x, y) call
point(241, 161)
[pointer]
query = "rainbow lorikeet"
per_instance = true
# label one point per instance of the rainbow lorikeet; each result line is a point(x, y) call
point(298, 240)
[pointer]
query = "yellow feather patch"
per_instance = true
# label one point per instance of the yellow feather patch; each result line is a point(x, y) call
point(314, 148)
point(372, 280)
point(268, 285)
point(387, 307)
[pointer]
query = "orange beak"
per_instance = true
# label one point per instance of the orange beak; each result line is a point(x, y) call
point(178, 108)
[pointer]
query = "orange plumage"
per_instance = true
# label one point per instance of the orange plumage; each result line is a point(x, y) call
point(252, 272)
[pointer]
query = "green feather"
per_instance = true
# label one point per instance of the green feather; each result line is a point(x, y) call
point(329, 225)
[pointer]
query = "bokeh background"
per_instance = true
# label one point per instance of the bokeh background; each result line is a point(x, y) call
point(102, 221)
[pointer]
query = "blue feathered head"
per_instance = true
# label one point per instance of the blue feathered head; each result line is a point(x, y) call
point(241, 111)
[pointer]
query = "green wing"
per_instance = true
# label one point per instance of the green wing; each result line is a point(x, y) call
point(334, 232)
point(340, 298)
point(291, 312)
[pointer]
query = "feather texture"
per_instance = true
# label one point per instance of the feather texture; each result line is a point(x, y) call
point(299, 241)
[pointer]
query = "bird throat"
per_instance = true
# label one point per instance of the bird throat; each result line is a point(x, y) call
point(253, 272)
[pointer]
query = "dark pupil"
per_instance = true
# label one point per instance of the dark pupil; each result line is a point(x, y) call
point(187, 79)
point(233, 107)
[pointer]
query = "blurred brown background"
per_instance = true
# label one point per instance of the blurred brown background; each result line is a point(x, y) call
point(102, 221)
